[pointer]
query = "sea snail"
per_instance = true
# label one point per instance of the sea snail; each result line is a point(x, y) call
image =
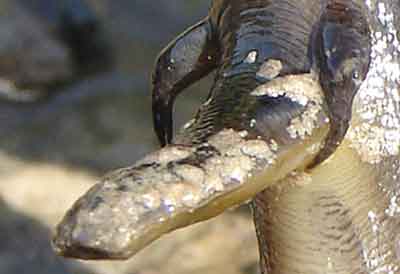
point(280, 127)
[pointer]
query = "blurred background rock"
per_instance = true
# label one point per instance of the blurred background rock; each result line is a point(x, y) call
point(74, 103)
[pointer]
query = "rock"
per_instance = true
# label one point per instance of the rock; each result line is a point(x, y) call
point(42, 50)
point(29, 58)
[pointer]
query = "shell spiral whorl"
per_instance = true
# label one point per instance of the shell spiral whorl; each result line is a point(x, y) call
point(344, 215)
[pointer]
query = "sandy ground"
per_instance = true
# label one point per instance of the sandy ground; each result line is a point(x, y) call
point(43, 192)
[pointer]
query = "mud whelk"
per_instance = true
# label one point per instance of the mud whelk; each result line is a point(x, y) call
point(341, 215)
point(180, 185)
